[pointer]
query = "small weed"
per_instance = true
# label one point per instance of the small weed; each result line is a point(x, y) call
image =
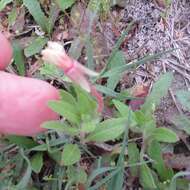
point(86, 149)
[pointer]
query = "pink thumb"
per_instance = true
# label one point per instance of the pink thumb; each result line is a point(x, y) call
point(5, 52)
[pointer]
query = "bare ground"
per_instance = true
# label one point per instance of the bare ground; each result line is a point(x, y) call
point(154, 33)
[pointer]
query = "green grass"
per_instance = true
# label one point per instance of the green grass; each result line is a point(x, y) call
point(67, 156)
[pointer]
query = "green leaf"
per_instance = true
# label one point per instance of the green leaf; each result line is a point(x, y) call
point(174, 179)
point(134, 157)
point(4, 3)
point(19, 58)
point(53, 15)
point(37, 162)
point(58, 126)
point(88, 126)
point(184, 98)
point(89, 52)
point(164, 135)
point(122, 108)
point(124, 95)
point(27, 175)
point(97, 172)
point(182, 123)
point(94, 5)
point(81, 176)
point(159, 90)
point(115, 50)
point(146, 177)
point(24, 142)
point(35, 47)
point(146, 122)
point(107, 91)
point(85, 103)
point(108, 130)
point(116, 61)
point(70, 155)
point(76, 47)
point(50, 70)
point(105, 180)
point(118, 180)
point(77, 175)
point(37, 13)
point(89, 123)
point(67, 97)
point(56, 156)
point(133, 64)
point(155, 153)
point(65, 4)
point(105, 7)
point(124, 111)
point(41, 147)
point(12, 16)
point(66, 110)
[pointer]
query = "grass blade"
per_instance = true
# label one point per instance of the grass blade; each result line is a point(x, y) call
point(107, 91)
point(133, 64)
point(117, 46)
point(19, 58)
point(89, 52)
point(26, 178)
point(53, 15)
point(96, 173)
point(118, 181)
point(104, 180)
point(173, 181)
point(37, 13)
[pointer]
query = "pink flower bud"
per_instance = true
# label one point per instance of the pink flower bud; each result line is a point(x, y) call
point(55, 54)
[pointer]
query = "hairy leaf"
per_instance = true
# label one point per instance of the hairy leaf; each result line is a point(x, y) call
point(108, 130)
point(58, 126)
point(116, 61)
point(159, 90)
point(146, 177)
point(134, 157)
point(155, 152)
point(182, 122)
point(184, 98)
point(164, 135)
point(66, 110)
point(35, 47)
point(70, 155)
point(37, 162)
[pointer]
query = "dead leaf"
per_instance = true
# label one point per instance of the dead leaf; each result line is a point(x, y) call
point(139, 91)
point(177, 161)
point(81, 186)
point(20, 21)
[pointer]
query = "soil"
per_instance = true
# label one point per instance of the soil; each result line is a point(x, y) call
point(156, 33)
